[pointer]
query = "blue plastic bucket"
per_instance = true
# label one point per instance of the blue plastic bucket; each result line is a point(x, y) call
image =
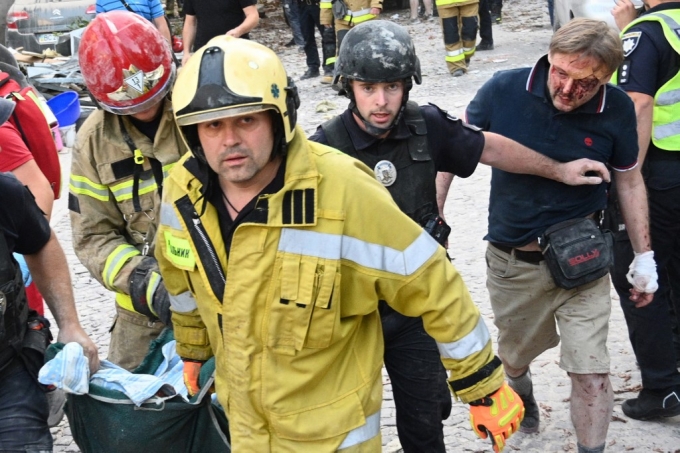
point(65, 107)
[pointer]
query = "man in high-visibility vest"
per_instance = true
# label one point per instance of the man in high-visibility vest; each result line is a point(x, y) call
point(650, 74)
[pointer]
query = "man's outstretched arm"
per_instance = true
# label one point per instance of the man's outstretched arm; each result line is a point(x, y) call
point(508, 155)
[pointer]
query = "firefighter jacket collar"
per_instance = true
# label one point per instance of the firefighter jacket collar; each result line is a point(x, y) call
point(295, 204)
point(537, 84)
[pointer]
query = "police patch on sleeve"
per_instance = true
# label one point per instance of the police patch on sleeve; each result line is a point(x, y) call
point(630, 42)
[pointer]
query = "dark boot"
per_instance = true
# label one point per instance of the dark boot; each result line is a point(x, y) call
point(485, 45)
point(523, 386)
point(652, 404)
point(495, 6)
point(310, 73)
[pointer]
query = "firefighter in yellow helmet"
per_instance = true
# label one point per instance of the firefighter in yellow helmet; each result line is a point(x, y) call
point(276, 252)
point(121, 156)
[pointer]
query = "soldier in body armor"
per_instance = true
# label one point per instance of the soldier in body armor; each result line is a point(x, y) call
point(407, 145)
point(23, 334)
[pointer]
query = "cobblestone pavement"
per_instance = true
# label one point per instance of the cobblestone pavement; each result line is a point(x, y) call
point(520, 40)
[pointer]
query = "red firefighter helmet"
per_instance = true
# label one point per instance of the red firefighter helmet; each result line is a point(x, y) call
point(125, 62)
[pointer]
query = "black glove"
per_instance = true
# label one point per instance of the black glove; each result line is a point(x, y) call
point(148, 293)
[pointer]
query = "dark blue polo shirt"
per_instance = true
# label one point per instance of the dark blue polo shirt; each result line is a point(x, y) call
point(651, 63)
point(517, 104)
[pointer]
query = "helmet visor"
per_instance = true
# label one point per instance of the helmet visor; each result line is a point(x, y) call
point(216, 114)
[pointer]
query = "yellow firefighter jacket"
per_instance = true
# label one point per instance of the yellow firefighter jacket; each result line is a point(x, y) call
point(109, 237)
point(358, 11)
point(291, 314)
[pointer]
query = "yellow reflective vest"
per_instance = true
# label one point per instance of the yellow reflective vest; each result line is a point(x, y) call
point(109, 237)
point(666, 112)
point(291, 314)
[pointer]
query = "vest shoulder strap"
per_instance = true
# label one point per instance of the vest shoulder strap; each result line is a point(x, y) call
point(414, 119)
point(418, 147)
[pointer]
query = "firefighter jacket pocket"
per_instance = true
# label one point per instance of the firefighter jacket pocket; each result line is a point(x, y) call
point(304, 310)
point(315, 423)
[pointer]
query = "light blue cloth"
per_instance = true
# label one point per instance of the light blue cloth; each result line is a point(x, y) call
point(25, 273)
point(69, 370)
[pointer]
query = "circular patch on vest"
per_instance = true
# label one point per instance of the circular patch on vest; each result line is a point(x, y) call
point(385, 173)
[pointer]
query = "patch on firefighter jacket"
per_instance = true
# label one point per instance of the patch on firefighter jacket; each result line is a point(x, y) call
point(178, 251)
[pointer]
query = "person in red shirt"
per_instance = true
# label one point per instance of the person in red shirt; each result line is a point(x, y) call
point(17, 158)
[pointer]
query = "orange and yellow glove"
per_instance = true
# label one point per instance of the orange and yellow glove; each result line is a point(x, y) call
point(192, 369)
point(497, 415)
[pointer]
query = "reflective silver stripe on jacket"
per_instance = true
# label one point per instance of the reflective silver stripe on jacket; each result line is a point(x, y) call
point(372, 256)
point(365, 432)
point(668, 98)
point(361, 12)
point(169, 217)
point(667, 130)
point(123, 191)
point(468, 345)
point(183, 303)
point(115, 261)
point(454, 53)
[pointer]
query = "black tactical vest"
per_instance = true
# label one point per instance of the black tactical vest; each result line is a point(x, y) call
point(13, 304)
point(414, 189)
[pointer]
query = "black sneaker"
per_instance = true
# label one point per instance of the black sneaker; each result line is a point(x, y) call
point(650, 405)
point(310, 73)
point(485, 45)
point(290, 43)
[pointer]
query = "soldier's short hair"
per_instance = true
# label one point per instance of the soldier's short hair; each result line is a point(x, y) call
point(589, 38)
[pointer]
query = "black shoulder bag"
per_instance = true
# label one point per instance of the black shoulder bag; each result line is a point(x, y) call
point(577, 252)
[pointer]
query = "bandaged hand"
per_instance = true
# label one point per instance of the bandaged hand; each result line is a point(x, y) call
point(642, 274)
point(497, 415)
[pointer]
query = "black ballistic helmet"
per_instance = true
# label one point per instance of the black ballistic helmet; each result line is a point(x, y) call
point(377, 51)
